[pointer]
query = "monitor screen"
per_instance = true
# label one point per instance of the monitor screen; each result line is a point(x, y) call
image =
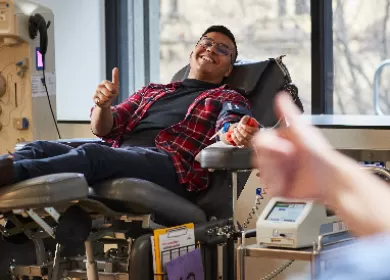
point(39, 59)
point(285, 212)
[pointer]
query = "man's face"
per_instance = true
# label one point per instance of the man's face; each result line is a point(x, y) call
point(213, 55)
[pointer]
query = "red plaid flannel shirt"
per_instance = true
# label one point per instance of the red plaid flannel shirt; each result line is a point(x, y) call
point(184, 140)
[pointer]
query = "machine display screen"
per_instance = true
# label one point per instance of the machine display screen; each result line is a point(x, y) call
point(285, 212)
point(39, 59)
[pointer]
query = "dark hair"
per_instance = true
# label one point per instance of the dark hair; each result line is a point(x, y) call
point(225, 31)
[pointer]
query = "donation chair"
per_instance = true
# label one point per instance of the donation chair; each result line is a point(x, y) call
point(59, 227)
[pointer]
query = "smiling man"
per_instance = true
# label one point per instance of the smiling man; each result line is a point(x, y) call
point(157, 132)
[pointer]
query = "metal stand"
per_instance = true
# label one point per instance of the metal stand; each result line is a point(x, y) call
point(92, 269)
point(234, 202)
point(325, 244)
point(56, 264)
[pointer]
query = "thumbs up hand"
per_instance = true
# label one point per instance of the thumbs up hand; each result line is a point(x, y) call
point(107, 91)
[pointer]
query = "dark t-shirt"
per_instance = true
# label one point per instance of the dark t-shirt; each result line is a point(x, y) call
point(165, 112)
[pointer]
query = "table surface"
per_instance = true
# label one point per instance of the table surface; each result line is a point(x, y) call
point(305, 254)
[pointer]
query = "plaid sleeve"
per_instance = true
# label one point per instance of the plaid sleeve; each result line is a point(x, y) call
point(122, 115)
point(233, 109)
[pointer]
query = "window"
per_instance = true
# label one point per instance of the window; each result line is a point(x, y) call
point(79, 53)
point(361, 30)
point(302, 7)
point(282, 8)
point(259, 30)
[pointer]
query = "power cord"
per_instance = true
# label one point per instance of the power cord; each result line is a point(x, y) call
point(47, 94)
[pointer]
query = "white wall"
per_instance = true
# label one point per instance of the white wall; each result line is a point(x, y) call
point(80, 54)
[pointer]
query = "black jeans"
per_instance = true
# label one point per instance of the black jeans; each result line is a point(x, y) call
point(97, 163)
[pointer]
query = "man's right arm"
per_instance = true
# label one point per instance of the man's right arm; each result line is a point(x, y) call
point(102, 121)
point(110, 122)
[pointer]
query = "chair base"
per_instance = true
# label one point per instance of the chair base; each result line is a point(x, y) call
point(119, 257)
point(113, 264)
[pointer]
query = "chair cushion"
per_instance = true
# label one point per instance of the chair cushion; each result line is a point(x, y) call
point(43, 191)
point(226, 157)
point(137, 196)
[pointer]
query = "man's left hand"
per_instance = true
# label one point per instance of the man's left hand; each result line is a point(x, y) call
point(242, 133)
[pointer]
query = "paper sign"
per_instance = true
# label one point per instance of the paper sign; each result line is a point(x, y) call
point(37, 87)
point(169, 244)
point(187, 267)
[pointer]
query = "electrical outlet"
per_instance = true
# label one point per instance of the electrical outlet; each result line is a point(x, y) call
point(20, 123)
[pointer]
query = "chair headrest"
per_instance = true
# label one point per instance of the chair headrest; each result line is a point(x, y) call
point(245, 74)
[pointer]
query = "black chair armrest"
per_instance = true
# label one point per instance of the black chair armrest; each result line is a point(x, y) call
point(74, 142)
point(226, 158)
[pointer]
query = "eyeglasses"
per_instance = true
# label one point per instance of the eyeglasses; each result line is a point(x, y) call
point(221, 48)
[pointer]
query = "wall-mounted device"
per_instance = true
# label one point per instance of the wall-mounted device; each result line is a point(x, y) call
point(27, 73)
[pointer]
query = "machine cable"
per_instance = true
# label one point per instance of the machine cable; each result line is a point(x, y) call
point(38, 23)
point(252, 213)
point(47, 94)
point(278, 271)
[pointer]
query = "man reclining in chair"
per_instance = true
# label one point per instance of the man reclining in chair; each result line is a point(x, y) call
point(157, 132)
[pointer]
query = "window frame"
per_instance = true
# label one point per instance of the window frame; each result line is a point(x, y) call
point(132, 43)
point(322, 65)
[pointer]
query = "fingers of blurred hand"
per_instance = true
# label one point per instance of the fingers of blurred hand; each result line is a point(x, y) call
point(285, 107)
point(270, 142)
point(274, 157)
point(274, 183)
point(301, 133)
point(287, 110)
point(275, 176)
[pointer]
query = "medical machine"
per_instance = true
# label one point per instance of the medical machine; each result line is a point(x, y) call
point(294, 223)
point(27, 74)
